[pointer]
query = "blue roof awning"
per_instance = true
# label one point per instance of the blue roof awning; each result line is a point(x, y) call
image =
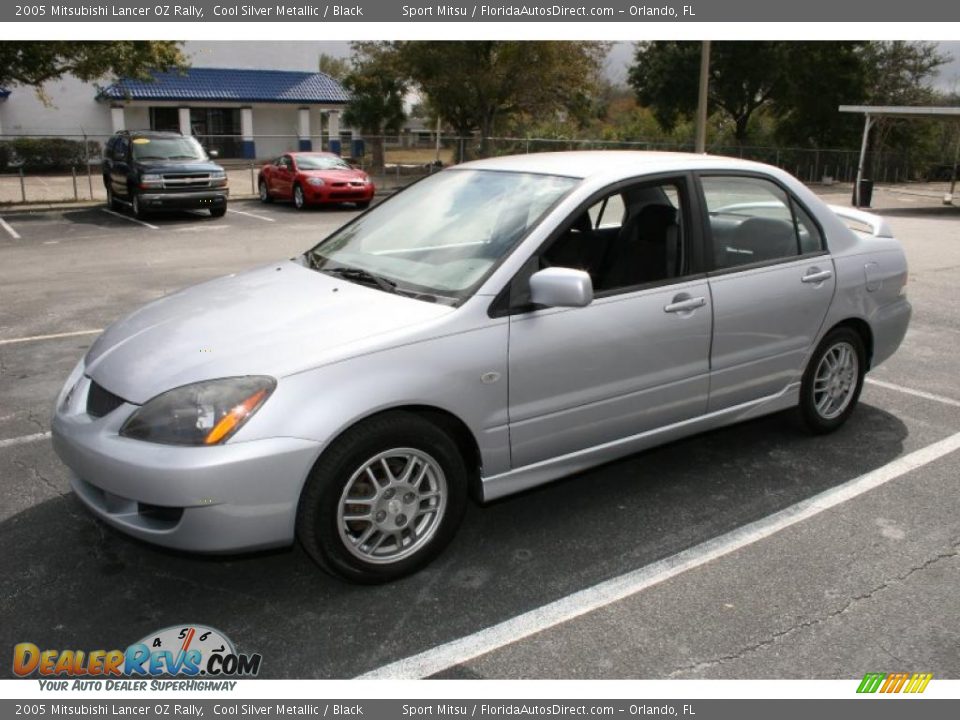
point(231, 85)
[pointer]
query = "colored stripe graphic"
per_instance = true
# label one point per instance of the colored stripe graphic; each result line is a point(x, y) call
point(894, 682)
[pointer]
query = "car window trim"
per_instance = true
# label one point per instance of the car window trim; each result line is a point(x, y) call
point(710, 268)
point(501, 305)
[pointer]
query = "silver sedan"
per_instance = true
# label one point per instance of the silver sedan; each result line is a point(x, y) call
point(493, 327)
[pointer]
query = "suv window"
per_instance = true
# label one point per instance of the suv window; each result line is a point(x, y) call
point(631, 237)
point(753, 220)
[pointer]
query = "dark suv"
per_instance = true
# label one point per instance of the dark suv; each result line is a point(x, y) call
point(149, 170)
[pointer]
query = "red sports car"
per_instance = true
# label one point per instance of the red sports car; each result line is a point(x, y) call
point(313, 178)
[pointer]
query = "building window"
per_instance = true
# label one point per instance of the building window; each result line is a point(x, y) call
point(166, 119)
point(218, 129)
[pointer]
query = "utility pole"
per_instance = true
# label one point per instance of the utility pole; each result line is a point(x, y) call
point(701, 140)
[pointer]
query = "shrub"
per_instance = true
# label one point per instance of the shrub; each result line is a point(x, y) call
point(44, 154)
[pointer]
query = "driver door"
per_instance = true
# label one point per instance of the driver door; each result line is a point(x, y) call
point(637, 357)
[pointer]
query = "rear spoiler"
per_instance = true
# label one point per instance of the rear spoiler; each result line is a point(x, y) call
point(878, 226)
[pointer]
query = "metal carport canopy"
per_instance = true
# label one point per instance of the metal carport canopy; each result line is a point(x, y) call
point(870, 112)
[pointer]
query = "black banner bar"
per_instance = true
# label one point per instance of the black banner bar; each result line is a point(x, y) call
point(577, 11)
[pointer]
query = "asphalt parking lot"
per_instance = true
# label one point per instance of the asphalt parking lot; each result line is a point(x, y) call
point(691, 560)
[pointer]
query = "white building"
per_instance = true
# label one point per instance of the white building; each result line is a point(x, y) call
point(242, 112)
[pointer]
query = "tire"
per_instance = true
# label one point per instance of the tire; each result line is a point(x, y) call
point(111, 200)
point(264, 193)
point(218, 212)
point(138, 210)
point(370, 548)
point(299, 201)
point(829, 396)
point(363, 205)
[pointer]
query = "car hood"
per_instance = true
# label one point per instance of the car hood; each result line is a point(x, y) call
point(177, 166)
point(335, 175)
point(275, 320)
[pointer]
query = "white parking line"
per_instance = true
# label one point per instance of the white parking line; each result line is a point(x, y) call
point(258, 217)
point(54, 336)
point(127, 217)
point(24, 439)
point(579, 603)
point(910, 391)
point(6, 226)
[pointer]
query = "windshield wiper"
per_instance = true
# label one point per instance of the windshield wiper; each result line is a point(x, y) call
point(363, 276)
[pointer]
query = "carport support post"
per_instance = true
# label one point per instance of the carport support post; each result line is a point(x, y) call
point(867, 124)
point(956, 158)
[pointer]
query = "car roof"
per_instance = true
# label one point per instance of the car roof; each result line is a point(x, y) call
point(318, 153)
point(604, 163)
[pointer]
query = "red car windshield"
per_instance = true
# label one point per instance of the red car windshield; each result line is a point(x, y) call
point(321, 162)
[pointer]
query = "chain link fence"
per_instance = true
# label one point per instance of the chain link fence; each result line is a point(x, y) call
point(44, 169)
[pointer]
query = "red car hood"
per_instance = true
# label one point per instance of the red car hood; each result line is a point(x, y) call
point(335, 175)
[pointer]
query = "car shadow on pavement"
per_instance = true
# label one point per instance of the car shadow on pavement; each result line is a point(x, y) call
point(68, 581)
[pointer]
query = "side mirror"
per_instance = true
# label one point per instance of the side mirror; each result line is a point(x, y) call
point(214, 154)
point(561, 287)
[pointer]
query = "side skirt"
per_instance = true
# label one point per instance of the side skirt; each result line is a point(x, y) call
point(523, 478)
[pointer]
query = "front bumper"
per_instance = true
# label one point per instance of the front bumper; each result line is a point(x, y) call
point(226, 498)
point(184, 200)
point(332, 194)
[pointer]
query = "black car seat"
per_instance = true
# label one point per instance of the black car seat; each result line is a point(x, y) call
point(645, 250)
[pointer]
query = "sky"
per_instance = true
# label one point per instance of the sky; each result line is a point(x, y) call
point(301, 55)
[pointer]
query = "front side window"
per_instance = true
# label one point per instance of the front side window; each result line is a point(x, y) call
point(753, 220)
point(631, 237)
point(443, 235)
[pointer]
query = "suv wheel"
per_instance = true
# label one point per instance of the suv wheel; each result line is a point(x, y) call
point(111, 200)
point(138, 210)
point(383, 500)
point(218, 211)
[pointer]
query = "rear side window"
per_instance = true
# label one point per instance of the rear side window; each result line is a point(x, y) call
point(753, 220)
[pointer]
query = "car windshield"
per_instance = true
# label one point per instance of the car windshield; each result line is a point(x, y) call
point(175, 148)
point(321, 162)
point(443, 235)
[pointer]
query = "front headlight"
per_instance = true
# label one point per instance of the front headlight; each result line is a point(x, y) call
point(203, 413)
point(315, 181)
point(151, 180)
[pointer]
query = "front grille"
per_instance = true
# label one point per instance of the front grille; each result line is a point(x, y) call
point(101, 401)
point(186, 180)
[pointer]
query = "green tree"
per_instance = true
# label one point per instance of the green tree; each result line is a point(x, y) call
point(744, 76)
point(337, 68)
point(34, 63)
point(377, 86)
point(484, 85)
point(821, 76)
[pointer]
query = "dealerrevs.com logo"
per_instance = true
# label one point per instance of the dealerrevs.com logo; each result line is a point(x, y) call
point(190, 651)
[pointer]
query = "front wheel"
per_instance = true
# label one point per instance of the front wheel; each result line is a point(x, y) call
point(833, 380)
point(264, 191)
point(299, 201)
point(384, 500)
point(218, 212)
point(363, 205)
point(139, 211)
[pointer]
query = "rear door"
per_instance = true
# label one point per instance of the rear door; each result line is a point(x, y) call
point(771, 285)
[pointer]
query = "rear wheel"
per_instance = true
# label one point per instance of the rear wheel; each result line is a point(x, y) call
point(264, 192)
point(833, 380)
point(384, 500)
point(299, 201)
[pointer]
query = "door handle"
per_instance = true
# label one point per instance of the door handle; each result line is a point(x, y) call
point(685, 305)
point(816, 276)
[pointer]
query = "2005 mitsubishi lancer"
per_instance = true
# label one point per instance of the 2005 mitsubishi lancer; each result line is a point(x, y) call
point(495, 326)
